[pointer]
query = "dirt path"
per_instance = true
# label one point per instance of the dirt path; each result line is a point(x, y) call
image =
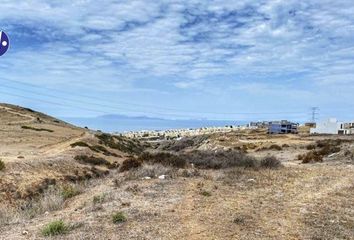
point(188, 218)
point(57, 148)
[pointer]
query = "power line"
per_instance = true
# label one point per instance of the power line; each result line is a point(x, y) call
point(314, 113)
point(53, 103)
point(91, 97)
point(127, 109)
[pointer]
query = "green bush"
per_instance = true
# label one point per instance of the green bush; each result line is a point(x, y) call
point(119, 217)
point(2, 165)
point(68, 191)
point(98, 198)
point(205, 193)
point(55, 228)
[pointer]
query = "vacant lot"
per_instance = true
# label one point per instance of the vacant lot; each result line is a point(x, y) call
point(69, 183)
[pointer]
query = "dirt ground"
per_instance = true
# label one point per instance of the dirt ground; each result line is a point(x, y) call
point(295, 201)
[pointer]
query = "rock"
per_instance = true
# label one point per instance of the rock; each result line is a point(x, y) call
point(24, 232)
point(146, 178)
point(162, 177)
point(251, 180)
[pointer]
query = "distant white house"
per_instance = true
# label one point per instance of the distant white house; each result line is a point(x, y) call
point(346, 128)
point(332, 126)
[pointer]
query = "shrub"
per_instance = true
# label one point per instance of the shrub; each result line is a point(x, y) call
point(99, 172)
point(102, 149)
point(69, 191)
point(238, 220)
point(55, 228)
point(275, 147)
point(205, 193)
point(220, 159)
point(95, 148)
point(327, 147)
point(119, 217)
point(79, 144)
point(37, 129)
point(98, 198)
point(312, 156)
point(270, 162)
point(92, 160)
point(130, 163)
point(182, 144)
point(121, 143)
point(310, 147)
point(163, 158)
point(2, 165)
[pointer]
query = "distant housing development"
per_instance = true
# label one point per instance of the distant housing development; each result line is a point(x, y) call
point(282, 127)
point(332, 126)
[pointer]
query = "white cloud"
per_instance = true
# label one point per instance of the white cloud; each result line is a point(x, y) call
point(73, 40)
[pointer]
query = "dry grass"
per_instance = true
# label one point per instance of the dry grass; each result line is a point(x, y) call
point(69, 191)
point(51, 200)
point(163, 158)
point(320, 150)
point(220, 159)
point(151, 171)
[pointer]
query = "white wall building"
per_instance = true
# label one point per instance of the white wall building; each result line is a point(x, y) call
point(332, 126)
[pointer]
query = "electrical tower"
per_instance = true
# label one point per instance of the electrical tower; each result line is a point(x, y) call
point(314, 113)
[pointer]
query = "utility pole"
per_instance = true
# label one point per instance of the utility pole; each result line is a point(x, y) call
point(314, 113)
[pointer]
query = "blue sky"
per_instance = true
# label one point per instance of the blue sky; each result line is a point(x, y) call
point(180, 59)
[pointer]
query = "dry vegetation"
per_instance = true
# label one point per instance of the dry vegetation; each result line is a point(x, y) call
point(70, 183)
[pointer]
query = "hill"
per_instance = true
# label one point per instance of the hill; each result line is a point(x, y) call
point(38, 150)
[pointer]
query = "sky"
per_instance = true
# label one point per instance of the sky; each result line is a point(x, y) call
point(205, 59)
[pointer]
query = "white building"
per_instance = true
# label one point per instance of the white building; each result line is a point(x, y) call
point(332, 126)
point(346, 128)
